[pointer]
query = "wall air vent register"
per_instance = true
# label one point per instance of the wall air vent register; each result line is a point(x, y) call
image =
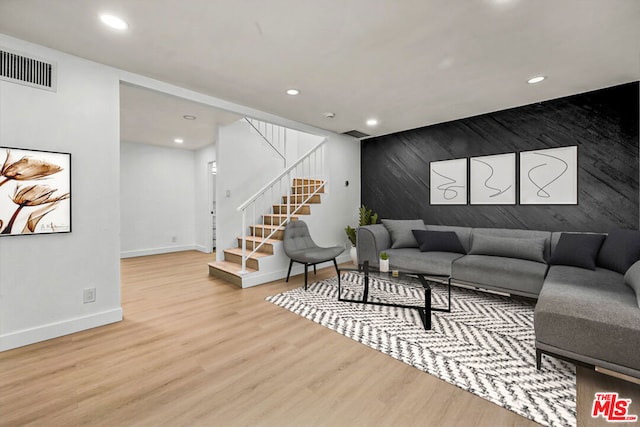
point(356, 134)
point(27, 70)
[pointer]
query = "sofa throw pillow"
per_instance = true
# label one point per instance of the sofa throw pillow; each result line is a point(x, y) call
point(438, 241)
point(400, 231)
point(620, 250)
point(531, 248)
point(577, 250)
point(632, 278)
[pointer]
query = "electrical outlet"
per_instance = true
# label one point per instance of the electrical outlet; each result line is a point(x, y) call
point(174, 239)
point(89, 295)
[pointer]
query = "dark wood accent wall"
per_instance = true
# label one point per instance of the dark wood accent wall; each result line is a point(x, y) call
point(603, 124)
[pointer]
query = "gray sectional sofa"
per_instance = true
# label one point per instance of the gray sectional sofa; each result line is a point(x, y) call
point(587, 285)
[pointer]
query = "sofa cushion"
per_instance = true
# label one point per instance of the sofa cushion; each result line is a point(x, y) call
point(620, 250)
point(519, 276)
point(632, 278)
point(509, 247)
point(517, 233)
point(411, 259)
point(591, 313)
point(438, 241)
point(577, 250)
point(400, 230)
point(464, 233)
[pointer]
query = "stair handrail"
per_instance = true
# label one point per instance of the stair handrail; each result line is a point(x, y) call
point(284, 158)
point(279, 177)
point(286, 173)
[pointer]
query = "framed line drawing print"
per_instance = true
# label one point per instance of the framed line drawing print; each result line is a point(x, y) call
point(549, 177)
point(35, 192)
point(448, 182)
point(492, 179)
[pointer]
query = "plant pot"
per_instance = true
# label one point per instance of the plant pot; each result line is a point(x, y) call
point(354, 255)
point(384, 265)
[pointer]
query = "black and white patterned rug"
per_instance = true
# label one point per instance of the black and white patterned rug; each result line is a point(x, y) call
point(485, 345)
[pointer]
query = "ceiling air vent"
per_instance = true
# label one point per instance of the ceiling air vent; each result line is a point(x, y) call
point(356, 134)
point(27, 70)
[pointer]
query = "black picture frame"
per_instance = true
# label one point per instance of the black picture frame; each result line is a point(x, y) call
point(563, 163)
point(448, 182)
point(497, 177)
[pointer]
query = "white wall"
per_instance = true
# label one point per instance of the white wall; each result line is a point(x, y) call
point(299, 143)
point(157, 199)
point(245, 165)
point(339, 206)
point(42, 277)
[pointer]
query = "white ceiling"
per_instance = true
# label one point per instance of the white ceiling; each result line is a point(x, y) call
point(408, 63)
point(150, 117)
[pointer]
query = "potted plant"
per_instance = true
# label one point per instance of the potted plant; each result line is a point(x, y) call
point(384, 262)
point(366, 217)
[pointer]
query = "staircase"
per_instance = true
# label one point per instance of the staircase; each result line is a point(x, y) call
point(288, 196)
point(265, 237)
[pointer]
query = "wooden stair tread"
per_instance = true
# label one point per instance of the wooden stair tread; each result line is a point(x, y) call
point(274, 231)
point(253, 241)
point(274, 219)
point(292, 206)
point(315, 188)
point(299, 198)
point(228, 271)
point(301, 209)
point(258, 239)
point(238, 251)
point(297, 181)
point(268, 227)
point(230, 267)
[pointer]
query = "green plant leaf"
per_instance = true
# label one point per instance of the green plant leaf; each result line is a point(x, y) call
point(351, 234)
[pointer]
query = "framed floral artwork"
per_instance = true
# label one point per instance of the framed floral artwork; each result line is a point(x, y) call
point(35, 192)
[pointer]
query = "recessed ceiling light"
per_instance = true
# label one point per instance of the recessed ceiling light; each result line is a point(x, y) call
point(178, 140)
point(293, 92)
point(536, 79)
point(189, 117)
point(114, 22)
point(372, 122)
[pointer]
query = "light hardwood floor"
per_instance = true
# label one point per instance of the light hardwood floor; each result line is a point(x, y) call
point(196, 351)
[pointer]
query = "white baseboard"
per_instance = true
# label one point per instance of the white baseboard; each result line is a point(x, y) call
point(156, 251)
point(256, 279)
point(204, 249)
point(58, 329)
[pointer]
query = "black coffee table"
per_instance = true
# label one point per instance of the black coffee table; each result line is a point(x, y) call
point(408, 279)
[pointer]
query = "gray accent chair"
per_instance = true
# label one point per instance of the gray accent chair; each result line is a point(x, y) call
point(300, 247)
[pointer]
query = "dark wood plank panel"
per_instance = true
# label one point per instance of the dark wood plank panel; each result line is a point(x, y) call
point(603, 124)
